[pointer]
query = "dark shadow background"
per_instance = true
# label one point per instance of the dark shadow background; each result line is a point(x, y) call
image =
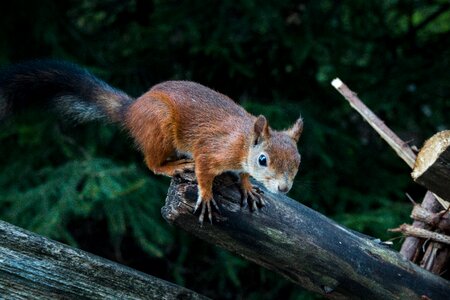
point(87, 186)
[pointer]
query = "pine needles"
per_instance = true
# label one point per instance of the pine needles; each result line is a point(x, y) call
point(67, 182)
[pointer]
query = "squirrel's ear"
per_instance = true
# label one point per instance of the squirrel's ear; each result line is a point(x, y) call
point(261, 129)
point(296, 130)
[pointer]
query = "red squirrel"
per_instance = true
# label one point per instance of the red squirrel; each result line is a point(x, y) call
point(178, 126)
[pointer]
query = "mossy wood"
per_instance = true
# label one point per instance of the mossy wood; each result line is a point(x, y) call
point(302, 245)
point(432, 166)
point(34, 267)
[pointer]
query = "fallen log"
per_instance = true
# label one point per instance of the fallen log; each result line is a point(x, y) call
point(302, 245)
point(34, 267)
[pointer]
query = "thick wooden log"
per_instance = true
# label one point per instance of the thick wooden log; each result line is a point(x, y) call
point(34, 267)
point(432, 166)
point(302, 245)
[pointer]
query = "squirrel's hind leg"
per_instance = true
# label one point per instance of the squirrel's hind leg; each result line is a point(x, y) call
point(159, 157)
point(151, 124)
point(170, 168)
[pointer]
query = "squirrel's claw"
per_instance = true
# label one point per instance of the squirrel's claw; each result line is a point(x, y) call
point(206, 207)
point(216, 206)
point(253, 197)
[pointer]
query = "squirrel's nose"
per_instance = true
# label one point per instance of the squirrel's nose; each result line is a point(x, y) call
point(283, 188)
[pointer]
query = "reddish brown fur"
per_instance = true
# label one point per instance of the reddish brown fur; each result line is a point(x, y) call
point(175, 124)
point(186, 117)
point(282, 155)
point(176, 118)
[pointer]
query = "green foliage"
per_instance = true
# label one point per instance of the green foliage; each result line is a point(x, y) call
point(88, 186)
point(81, 185)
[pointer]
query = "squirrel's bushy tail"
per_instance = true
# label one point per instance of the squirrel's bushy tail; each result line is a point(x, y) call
point(71, 90)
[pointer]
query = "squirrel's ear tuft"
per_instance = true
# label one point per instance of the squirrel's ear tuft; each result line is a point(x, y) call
point(261, 129)
point(296, 130)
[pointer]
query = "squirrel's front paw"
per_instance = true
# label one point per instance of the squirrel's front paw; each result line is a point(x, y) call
point(205, 204)
point(253, 196)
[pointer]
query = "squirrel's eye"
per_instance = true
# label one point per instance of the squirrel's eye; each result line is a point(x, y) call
point(262, 160)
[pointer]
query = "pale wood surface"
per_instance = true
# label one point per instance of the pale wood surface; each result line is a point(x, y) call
point(432, 167)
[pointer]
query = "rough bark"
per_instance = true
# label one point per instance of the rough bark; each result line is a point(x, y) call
point(435, 258)
point(302, 245)
point(410, 230)
point(411, 247)
point(34, 267)
point(432, 166)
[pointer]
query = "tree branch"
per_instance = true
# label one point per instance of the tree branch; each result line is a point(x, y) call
point(410, 230)
point(411, 246)
point(400, 147)
point(302, 245)
point(442, 9)
point(34, 267)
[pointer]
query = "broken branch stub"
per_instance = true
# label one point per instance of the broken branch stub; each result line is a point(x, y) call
point(432, 166)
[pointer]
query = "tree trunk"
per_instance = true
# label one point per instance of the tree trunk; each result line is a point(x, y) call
point(302, 245)
point(34, 267)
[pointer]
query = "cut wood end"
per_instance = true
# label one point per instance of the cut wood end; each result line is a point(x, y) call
point(337, 83)
point(430, 151)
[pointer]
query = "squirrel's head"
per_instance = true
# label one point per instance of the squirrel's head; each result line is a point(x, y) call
point(273, 158)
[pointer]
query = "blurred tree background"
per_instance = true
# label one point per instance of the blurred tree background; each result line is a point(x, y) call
point(87, 186)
